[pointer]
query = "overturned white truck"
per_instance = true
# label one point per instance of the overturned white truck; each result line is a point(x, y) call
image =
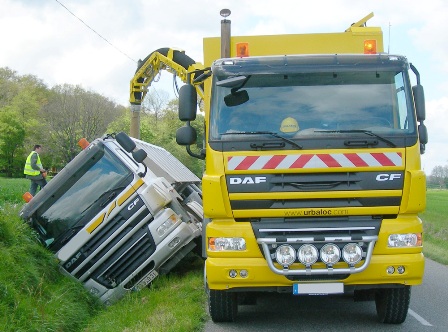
point(120, 213)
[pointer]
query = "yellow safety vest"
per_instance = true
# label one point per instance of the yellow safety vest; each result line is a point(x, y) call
point(28, 170)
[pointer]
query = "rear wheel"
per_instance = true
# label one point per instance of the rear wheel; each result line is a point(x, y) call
point(222, 305)
point(392, 304)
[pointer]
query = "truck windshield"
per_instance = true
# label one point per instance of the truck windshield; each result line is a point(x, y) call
point(82, 198)
point(310, 105)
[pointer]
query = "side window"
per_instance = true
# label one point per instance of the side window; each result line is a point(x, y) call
point(401, 102)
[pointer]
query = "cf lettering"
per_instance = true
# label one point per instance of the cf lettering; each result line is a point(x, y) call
point(132, 205)
point(388, 177)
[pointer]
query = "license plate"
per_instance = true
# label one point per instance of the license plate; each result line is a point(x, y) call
point(146, 280)
point(318, 289)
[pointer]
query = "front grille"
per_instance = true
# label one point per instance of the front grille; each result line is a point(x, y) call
point(342, 190)
point(354, 227)
point(321, 277)
point(117, 249)
point(314, 203)
point(130, 255)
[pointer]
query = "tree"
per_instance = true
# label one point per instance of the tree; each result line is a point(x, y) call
point(71, 114)
point(12, 136)
point(439, 177)
point(160, 129)
point(21, 97)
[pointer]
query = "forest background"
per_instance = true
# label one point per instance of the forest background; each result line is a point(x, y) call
point(58, 117)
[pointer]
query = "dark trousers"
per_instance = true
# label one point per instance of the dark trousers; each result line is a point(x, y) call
point(37, 183)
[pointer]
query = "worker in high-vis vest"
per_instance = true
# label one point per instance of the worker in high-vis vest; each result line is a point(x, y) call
point(34, 170)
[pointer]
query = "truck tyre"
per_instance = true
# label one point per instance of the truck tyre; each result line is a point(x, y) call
point(392, 304)
point(222, 305)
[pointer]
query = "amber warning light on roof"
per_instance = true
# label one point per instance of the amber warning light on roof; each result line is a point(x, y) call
point(83, 143)
point(370, 46)
point(242, 50)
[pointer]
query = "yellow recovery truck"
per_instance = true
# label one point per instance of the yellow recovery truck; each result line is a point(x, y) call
point(313, 179)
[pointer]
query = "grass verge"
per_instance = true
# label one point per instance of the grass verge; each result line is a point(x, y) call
point(34, 296)
point(435, 225)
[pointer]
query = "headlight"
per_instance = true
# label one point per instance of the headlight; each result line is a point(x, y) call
point(226, 244)
point(405, 240)
point(166, 226)
point(307, 254)
point(285, 255)
point(330, 254)
point(351, 253)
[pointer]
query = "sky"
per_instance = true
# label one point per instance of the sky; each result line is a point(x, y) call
point(96, 43)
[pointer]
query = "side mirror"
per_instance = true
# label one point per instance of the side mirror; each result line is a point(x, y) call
point(125, 141)
point(139, 155)
point(186, 135)
point(188, 100)
point(423, 133)
point(419, 100)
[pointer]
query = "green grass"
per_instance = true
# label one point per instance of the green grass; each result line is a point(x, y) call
point(11, 191)
point(174, 303)
point(35, 296)
point(435, 225)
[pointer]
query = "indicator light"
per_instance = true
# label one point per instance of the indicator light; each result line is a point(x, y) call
point(242, 50)
point(370, 46)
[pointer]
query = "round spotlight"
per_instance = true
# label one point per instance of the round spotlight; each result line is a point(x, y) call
point(352, 253)
point(400, 269)
point(390, 270)
point(233, 273)
point(307, 254)
point(285, 255)
point(330, 254)
point(244, 273)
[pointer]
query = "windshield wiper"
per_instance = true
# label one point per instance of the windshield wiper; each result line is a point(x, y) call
point(265, 133)
point(111, 193)
point(68, 235)
point(367, 132)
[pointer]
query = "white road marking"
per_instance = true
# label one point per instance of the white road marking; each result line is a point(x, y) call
point(419, 318)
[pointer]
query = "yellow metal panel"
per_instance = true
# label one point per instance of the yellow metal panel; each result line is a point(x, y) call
point(259, 274)
point(414, 200)
point(212, 194)
point(111, 207)
point(351, 41)
point(130, 191)
point(314, 212)
point(96, 223)
point(315, 195)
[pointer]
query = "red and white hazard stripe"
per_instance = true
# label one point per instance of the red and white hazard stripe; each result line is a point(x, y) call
point(387, 159)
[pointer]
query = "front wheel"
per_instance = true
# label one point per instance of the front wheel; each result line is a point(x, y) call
point(392, 304)
point(222, 305)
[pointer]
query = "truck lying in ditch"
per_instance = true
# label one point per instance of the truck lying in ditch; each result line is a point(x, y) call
point(119, 214)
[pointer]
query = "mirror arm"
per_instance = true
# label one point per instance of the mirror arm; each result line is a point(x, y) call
point(191, 153)
point(417, 74)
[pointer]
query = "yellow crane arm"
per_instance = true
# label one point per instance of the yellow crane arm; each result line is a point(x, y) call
point(171, 60)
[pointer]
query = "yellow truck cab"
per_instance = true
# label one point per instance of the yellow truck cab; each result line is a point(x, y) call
point(313, 180)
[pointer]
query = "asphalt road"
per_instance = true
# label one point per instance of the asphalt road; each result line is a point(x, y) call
point(284, 313)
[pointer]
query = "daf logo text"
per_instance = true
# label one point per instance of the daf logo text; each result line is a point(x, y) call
point(248, 180)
